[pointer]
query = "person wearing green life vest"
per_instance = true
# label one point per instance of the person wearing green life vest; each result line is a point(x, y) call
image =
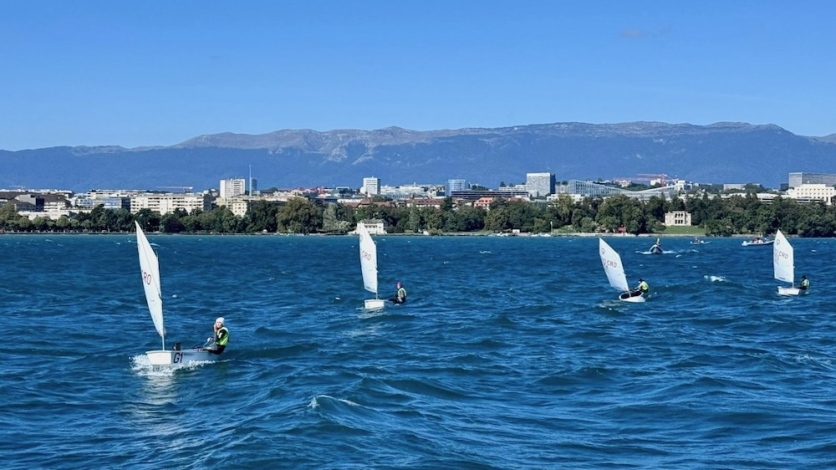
point(642, 288)
point(805, 283)
point(220, 339)
point(400, 296)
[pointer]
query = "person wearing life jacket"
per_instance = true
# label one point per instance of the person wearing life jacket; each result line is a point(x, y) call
point(400, 296)
point(642, 288)
point(220, 339)
point(805, 283)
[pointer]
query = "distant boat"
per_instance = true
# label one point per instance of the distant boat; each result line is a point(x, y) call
point(368, 265)
point(150, 268)
point(656, 249)
point(758, 242)
point(697, 241)
point(783, 264)
point(615, 273)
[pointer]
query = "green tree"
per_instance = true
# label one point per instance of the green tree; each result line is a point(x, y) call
point(331, 222)
point(171, 223)
point(299, 215)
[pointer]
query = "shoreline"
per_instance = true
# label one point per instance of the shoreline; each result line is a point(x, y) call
point(452, 234)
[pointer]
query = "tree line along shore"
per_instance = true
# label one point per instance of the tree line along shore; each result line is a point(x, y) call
point(710, 216)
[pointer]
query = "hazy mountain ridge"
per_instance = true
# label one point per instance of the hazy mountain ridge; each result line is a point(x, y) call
point(720, 152)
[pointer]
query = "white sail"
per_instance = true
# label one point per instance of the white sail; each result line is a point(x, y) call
point(368, 259)
point(783, 259)
point(150, 268)
point(612, 266)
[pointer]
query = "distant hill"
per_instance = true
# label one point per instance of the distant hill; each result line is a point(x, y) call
point(717, 153)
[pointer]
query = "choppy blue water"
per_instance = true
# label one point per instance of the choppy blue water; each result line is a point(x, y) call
point(511, 353)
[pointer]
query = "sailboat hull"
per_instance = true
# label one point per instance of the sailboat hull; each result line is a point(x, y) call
point(175, 358)
point(788, 291)
point(373, 304)
point(632, 298)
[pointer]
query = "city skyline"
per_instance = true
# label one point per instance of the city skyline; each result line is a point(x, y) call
point(160, 74)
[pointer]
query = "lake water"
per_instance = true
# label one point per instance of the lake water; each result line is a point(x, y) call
point(511, 353)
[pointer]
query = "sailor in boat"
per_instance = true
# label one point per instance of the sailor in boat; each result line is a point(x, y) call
point(220, 339)
point(757, 240)
point(642, 288)
point(656, 249)
point(400, 296)
point(805, 283)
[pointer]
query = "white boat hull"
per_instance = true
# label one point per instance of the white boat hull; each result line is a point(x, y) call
point(764, 243)
point(788, 291)
point(635, 298)
point(374, 304)
point(174, 358)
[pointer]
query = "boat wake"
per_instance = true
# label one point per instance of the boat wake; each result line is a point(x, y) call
point(142, 367)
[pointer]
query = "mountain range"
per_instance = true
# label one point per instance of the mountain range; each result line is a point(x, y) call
point(716, 153)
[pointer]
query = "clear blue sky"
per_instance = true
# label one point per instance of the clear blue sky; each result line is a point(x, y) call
point(159, 72)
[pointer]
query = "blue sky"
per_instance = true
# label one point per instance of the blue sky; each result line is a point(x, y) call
point(160, 72)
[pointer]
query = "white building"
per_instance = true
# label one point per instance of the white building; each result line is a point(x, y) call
point(233, 187)
point(237, 206)
point(581, 189)
point(678, 219)
point(168, 202)
point(456, 184)
point(373, 226)
point(539, 184)
point(813, 192)
point(371, 186)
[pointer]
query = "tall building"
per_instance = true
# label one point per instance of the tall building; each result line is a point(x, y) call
point(253, 183)
point(797, 179)
point(456, 185)
point(539, 184)
point(231, 188)
point(371, 186)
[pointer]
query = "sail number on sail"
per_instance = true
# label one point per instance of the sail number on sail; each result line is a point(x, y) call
point(780, 254)
point(146, 277)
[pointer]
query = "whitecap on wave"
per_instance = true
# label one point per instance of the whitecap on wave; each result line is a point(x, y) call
point(315, 403)
point(807, 359)
point(715, 278)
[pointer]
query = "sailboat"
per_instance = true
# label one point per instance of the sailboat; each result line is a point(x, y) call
point(368, 264)
point(656, 249)
point(783, 263)
point(150, 267)
point(615, 272)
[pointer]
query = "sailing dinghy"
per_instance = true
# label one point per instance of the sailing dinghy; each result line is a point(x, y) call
point(368, 264)
point(150, 267)
point(783, 264)
point(615, 273)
